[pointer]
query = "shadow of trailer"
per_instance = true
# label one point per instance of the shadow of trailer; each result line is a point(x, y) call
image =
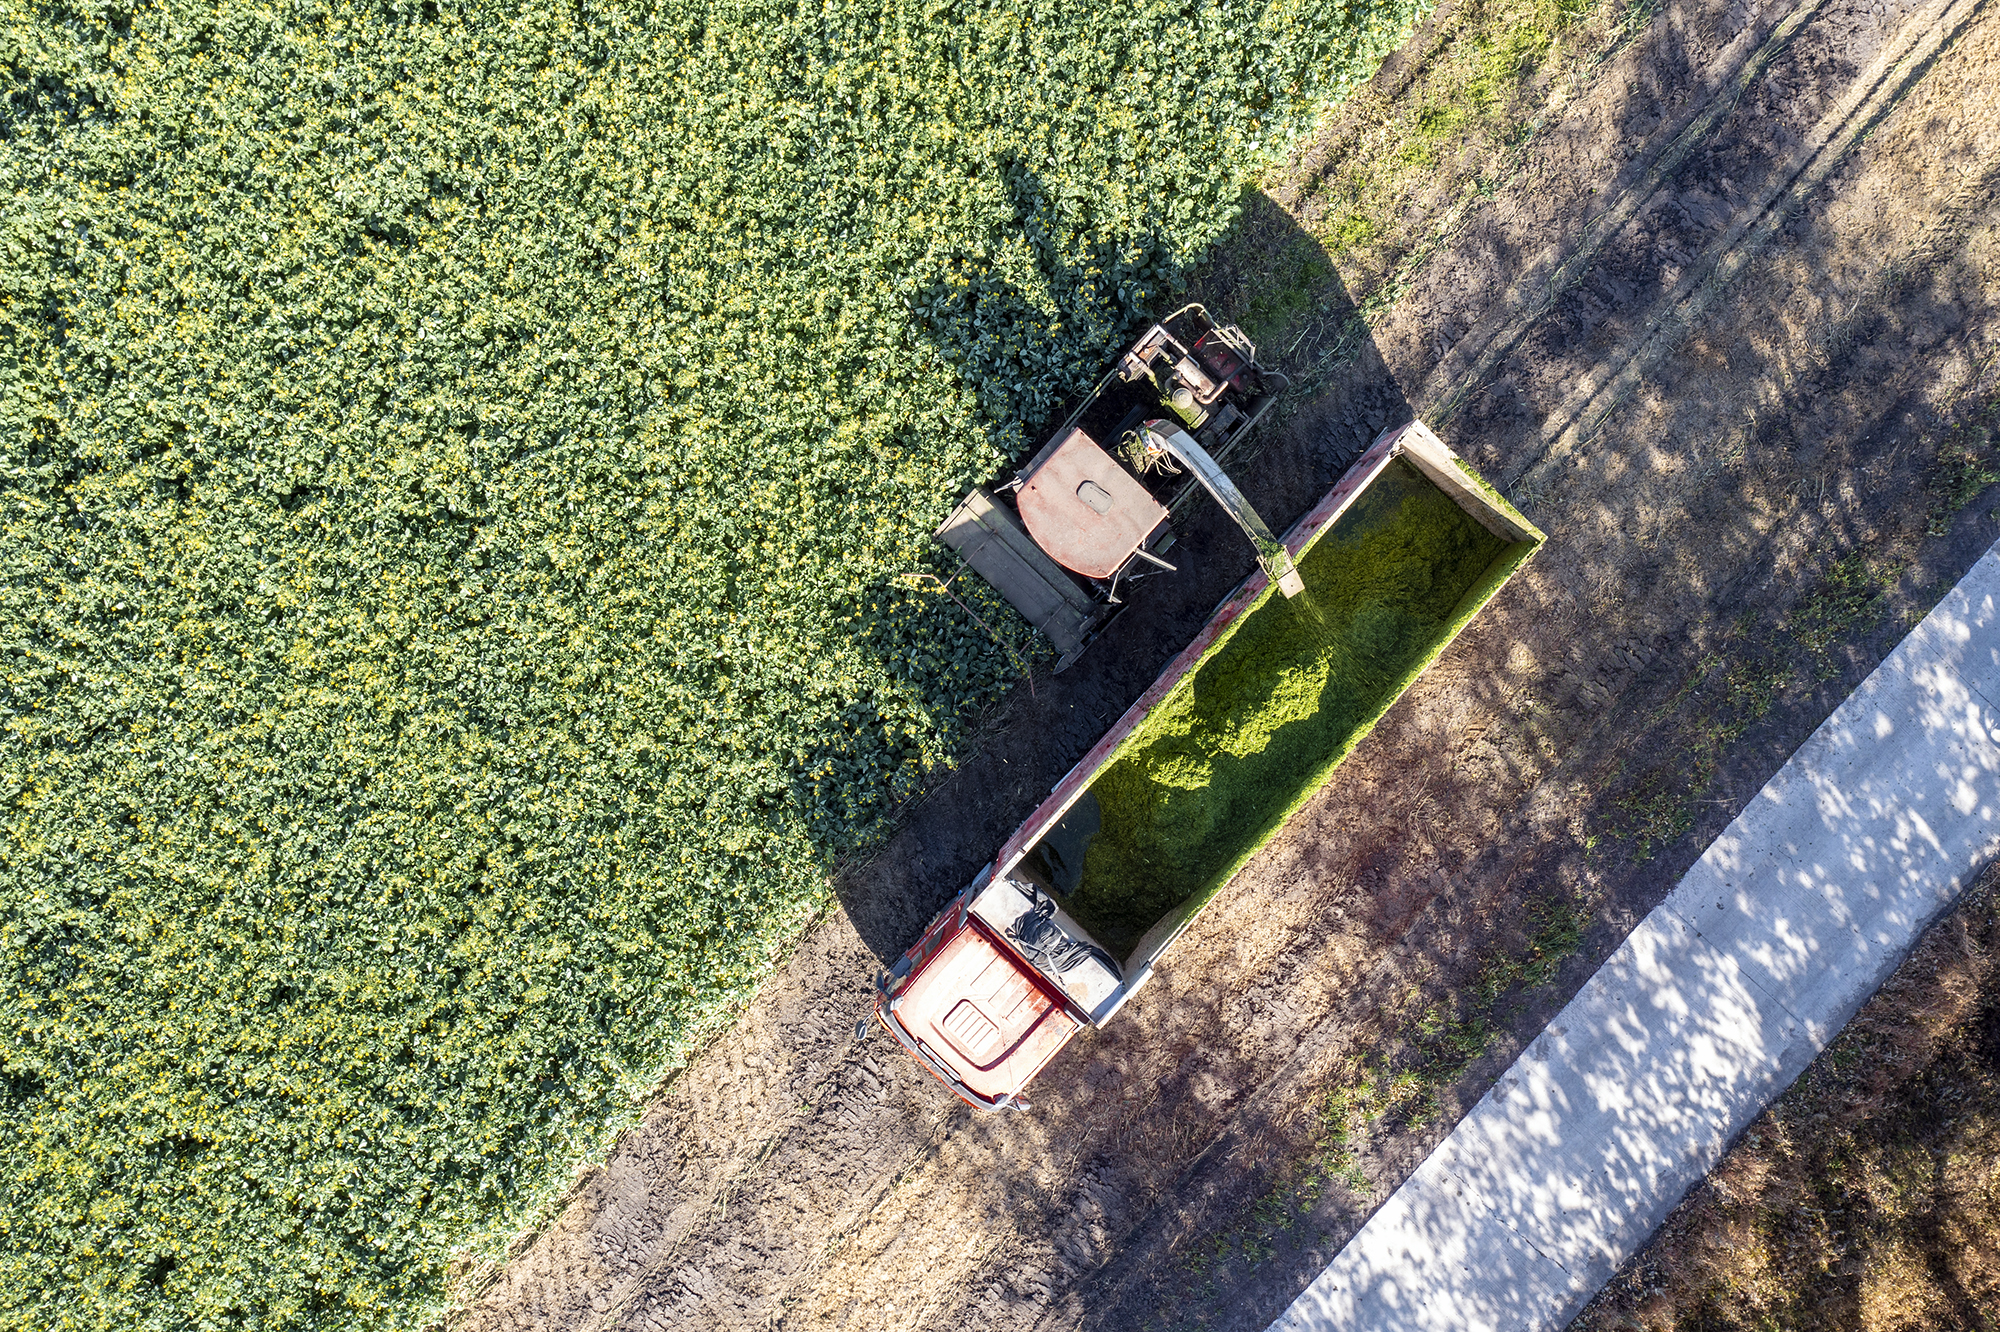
point(1070, 919)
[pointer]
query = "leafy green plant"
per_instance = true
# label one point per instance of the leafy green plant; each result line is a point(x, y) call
point(458, 462)
point(1731, 689)
point(1966, 465)
point(1845, 601)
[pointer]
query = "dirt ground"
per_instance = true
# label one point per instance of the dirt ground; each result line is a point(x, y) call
point(1727, 335)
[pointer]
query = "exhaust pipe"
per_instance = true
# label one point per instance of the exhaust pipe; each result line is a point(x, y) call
point(1166, 437)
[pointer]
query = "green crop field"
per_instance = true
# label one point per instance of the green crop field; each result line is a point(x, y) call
point(460, 468)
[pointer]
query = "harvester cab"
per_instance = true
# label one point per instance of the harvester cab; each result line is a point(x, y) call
point(1088, 515)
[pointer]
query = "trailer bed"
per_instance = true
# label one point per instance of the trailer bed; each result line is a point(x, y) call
point(1254, 716)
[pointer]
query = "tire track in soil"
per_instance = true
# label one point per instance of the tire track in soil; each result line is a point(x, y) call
point(793, 1177)
point(1906, 59)
point(1460, 372)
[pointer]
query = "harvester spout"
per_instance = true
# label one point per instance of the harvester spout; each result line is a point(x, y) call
point(1166, 437)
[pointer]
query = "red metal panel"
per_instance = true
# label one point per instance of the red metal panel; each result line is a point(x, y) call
point(1096, 543)
point(984, 1013)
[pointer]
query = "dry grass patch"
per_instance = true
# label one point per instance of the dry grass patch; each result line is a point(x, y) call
point(1443, 128)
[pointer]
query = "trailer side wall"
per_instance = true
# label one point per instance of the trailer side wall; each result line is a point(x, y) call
point(1281, 692)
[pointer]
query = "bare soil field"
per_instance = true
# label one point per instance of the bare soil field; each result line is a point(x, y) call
point(1721, 319)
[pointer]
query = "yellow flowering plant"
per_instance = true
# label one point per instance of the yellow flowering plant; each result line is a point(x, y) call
point(456, 464)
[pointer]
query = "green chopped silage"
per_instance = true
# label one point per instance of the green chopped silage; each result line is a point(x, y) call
point(1218, 765)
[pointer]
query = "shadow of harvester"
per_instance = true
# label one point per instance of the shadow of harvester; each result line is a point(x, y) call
point(1014, 340)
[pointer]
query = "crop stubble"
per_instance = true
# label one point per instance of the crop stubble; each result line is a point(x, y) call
point(797, 1178)
point(1867, 1197)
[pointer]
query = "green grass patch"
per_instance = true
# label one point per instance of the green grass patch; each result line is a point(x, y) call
point(1456, 123)
point(1401, 166)
point(1558, 933)
point(1662, 806)
point(1503, 56)
point(1257, 725)
point(1353, 230)
point(1369, 1094)
point(1735, 686)
point(1456, 1029)
point(1439, 122)
point(1289, 278)
point(1967, 463)
point(1846, 601)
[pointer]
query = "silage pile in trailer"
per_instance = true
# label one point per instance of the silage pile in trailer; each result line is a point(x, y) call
point(458, 461)
point(1296, 683)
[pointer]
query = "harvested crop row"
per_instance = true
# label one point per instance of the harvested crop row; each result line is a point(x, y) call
point(457, 464)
